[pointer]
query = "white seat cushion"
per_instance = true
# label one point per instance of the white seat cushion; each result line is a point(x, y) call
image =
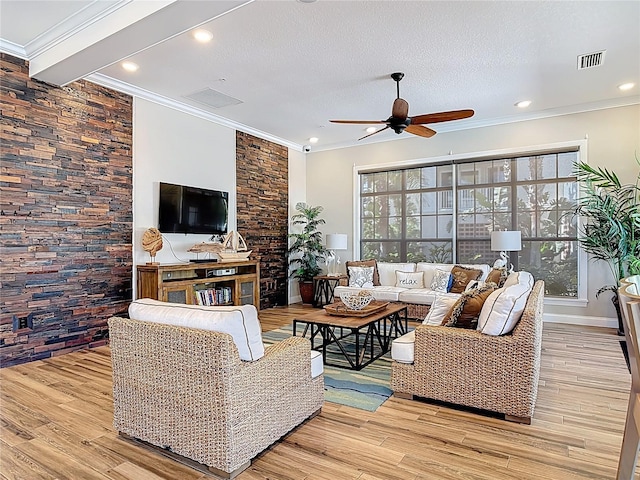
point(383, 294)
point(317, 368)
point(240, 322)
point(402, 348)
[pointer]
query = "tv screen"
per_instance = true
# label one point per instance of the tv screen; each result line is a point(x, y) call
point(192, 210)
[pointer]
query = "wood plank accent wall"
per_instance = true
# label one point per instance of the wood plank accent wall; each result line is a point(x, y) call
point(66, 223)
point(262, 182)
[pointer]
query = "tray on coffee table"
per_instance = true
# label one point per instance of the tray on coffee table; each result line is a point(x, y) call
point(340, 309)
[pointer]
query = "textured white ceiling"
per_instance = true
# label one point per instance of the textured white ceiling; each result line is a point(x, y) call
point(295, 65)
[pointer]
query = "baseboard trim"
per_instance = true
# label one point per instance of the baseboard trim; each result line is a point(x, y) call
point(607, 322)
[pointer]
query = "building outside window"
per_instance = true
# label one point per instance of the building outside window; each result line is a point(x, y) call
point(445, 213)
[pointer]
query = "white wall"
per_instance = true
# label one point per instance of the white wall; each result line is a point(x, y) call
point(174, 147)
point(297, 193)
point(613, 142)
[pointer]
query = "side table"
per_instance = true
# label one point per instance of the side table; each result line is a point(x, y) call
point(323, 286)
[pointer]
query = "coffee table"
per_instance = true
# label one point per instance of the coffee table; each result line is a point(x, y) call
point(371, 335)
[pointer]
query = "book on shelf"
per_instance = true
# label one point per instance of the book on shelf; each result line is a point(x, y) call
point(214, 296)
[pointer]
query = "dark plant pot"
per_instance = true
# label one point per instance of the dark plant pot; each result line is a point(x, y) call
point(616, 303)
point(306, 290)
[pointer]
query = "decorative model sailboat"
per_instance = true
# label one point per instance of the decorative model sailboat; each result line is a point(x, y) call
point(234, 248)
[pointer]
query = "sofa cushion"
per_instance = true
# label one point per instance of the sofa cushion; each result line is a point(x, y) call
point(409, 279)
point(462, 276)
point(519, 278)
point(365, 263)
point(402, 348)
point(317, 367)
point(360, 276)
point(465, 312)
point(439, 308)
point(502, 309)
point(387, 271)
point(381, 293)
point(240, 322)
point(441, 281)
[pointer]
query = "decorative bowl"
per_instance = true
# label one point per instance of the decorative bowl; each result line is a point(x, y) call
point(357, 301)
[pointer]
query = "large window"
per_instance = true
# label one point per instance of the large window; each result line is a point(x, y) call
point(446, 213)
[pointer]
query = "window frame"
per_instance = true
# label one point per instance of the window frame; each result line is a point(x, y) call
point(580, 146)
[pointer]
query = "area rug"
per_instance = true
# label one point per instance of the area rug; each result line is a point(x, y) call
point(366, 389)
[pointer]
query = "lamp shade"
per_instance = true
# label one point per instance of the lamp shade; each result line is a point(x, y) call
point(337, 241)
point(506, 241)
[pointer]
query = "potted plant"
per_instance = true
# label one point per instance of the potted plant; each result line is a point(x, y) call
point(611, 227)
point(306, 250)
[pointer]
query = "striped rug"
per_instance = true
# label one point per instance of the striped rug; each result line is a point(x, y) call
point(366, 389)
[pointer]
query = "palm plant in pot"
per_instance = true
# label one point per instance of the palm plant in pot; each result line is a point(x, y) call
point(611, 228)
point(306, 250)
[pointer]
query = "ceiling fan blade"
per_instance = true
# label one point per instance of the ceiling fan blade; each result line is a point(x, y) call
point(400, 109)
point(358, 122)
point(420, 130)
point(377, 131)
point(441, 117)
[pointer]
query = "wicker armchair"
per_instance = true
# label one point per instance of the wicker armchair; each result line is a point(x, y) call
point(186, 391)
point(466, 367)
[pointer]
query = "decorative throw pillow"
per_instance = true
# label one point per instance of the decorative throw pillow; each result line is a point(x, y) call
point(366, 263)
point(360, 276)
point(503, 309)
point(440, 282)
point(439, 308)
point(519, 278)
point(498, 276)
point(462, 276)
point(409, 279)
point(474, 284)
point(466, 311)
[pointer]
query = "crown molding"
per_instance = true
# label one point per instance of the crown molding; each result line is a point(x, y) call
point(13, 49)
point(92, 13)
point(134, 91)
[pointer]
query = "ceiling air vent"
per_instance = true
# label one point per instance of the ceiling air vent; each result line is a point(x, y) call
point(589, 60)
point(213, 98)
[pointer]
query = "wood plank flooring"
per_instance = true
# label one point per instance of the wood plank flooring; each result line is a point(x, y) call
point(56, 414)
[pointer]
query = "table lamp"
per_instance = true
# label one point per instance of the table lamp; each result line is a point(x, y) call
point(505, 241)
point(335, 241)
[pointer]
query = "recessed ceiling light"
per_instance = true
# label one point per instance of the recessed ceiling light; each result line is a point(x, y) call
point(130, 66)
point(203, 36)
point(306, 1)
point(370, 129)
point(313, 140)
point(626, 86)
point(523, 104)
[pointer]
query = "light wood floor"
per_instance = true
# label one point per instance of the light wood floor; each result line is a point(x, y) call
point(56, 419)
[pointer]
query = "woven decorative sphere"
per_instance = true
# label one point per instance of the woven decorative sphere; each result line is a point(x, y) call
point(357, 301)
point(152, 241)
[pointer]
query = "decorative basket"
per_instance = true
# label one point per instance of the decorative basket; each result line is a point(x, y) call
point(357, 301)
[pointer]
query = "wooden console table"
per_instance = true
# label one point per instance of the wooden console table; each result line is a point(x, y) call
point(184, 282)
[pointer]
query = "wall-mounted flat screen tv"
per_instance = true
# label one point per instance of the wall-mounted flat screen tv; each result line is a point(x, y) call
point(192, 210)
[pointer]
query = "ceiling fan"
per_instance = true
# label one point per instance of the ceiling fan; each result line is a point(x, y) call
point(400, 121)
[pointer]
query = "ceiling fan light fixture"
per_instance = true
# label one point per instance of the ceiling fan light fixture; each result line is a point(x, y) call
point(626, 86)
point(202, 36)
point(523, 104)
point(130, 66)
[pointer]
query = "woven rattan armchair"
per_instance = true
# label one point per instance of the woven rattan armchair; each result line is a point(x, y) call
point(186, 391)
point(466, 367)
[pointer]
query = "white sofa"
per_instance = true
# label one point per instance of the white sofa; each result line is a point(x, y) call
point(387, 291)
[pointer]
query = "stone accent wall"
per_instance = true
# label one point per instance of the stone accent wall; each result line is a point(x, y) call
point(262, 171)
point(66, 213)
